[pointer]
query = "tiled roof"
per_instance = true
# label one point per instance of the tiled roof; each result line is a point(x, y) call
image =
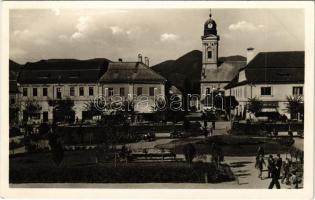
point(224, 72)
point(130, 72)
point(63, 71)
point(273, 67)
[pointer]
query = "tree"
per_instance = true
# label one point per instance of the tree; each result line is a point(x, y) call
point(32, 108)
point(295, 106)
point(13, 113)
point(254, 105)
point(189, 153)
point(63, 110)
point(95, 108)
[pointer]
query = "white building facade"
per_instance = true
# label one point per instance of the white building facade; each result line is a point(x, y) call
point(270, 77)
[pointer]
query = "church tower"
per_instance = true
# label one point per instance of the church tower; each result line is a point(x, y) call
point(209, 83)
point(210, 45)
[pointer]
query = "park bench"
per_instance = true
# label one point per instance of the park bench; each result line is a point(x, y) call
point(153, 154)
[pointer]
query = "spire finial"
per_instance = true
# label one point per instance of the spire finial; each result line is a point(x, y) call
point(210, 15)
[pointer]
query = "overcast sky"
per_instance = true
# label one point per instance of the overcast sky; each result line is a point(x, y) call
point(159, 34)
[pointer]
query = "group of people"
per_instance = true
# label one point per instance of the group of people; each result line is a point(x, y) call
point(275, 165)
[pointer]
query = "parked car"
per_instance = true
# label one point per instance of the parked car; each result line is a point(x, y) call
point(176, 134)
point(148, 136)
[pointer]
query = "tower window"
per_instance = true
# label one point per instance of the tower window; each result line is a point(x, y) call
point(209, 54)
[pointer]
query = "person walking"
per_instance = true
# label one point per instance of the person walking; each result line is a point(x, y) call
point(275, 175)
point(294, 180)
point(260, 166)
point(261, 151)
point(213, 124)
point(211, 130)
point(279, 162)
point(286, 171)
point(271, 163)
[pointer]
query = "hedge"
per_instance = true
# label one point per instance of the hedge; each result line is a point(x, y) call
point(261, 128)
point(158, 172)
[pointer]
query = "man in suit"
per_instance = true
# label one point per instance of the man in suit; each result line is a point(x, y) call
point(275, 175)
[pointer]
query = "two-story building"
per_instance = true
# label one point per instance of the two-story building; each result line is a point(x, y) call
point(270, 77)
point(134, 82)
point(46, 81)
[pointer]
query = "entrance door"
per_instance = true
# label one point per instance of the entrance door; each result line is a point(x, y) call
point(45, 116)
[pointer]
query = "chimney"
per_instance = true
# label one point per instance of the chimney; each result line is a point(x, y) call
point(119, 59)
point(139, 57)
point(146, 61)
point(250, 54)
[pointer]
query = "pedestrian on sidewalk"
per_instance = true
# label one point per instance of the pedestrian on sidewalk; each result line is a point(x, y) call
point(260, 165)
point(211, 130)
point(271, 163)
point(261, 151)
point(279, 162)
point(213, 124)
point(286, 171)
point(294, 180)
point(275, 175)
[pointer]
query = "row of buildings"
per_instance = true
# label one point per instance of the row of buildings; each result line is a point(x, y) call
point(86, 82)
point(268, 76)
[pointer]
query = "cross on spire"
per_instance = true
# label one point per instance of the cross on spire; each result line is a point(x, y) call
point(210, 15)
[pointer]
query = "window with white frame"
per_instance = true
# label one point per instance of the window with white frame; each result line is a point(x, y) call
point(25, 92)
point(110, 92)
point(81, 91)
point(72, 91)
point(151, 91)
point(297, 90)
point(34, 92)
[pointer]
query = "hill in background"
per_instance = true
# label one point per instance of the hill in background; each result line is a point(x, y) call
point(185, 72)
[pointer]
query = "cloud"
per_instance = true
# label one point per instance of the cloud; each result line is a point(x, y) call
point(56, 11)
point(41, 42)
point(116, 30)
point(168, 37)
point(245, 26)
point(22, 34)
point(82, 27)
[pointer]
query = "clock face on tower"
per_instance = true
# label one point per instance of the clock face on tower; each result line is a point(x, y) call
point(210, 25)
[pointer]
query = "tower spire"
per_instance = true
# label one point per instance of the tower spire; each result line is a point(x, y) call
point(210, 15)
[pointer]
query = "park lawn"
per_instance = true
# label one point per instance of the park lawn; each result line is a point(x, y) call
point(231, 145)
point(80, 167)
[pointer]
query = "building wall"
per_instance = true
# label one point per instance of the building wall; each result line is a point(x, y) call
point(79, 101)
point(279, 93)
point(204, 86)
point(148, 102)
